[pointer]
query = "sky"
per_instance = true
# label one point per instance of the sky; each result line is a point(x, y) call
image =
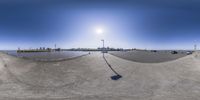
point(144, 24)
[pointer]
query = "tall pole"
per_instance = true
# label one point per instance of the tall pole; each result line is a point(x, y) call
point(195, 47)
point(55, 47)
point(103, 46)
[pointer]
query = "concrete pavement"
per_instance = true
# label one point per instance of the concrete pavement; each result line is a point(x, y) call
point(88, 78)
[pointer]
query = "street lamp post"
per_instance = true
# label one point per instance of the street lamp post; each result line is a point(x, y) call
point(195, 47)
point(103, 46)
point(55, 47)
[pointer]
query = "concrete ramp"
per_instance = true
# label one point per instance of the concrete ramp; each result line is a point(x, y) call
point(88, 78)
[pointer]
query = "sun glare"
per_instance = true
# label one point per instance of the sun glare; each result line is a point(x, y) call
point(99, 31)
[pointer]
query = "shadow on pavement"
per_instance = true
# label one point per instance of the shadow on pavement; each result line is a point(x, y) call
point(114, 77)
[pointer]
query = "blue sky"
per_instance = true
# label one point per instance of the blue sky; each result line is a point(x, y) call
point(152, 24)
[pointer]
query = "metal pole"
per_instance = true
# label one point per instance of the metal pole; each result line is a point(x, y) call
point(103, 47)
point(55, 47)
point(103, 44)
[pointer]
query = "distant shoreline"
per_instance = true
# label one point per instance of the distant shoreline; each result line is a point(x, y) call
point(88, 50)
point(21, 51)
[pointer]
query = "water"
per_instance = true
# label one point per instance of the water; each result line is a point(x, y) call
point(48, 55)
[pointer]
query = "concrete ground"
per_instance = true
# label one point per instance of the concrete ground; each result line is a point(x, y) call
point(148, 56)
point(88, 78)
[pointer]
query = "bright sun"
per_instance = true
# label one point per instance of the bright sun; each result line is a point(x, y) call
point(99, 31)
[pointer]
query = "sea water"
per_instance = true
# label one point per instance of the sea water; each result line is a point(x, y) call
point(47, 55)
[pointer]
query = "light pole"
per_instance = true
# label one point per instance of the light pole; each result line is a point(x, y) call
point(195, 47)
point(55, 47)
point(103, 46)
